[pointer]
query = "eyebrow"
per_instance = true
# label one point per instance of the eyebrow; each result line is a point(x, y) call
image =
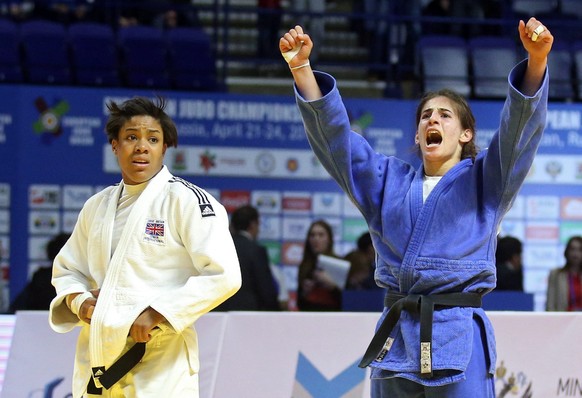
point(151, 130)
point(439, 109)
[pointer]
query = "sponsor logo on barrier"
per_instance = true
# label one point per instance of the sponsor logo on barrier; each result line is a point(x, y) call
point(569, 387)
point(511, 383)
point(311, 383)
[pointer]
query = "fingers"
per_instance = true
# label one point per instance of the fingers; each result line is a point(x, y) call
point(293, 42)
point(139, 334)
point(534, 30)
point(87, 309)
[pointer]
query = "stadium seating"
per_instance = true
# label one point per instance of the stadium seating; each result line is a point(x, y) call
point(191, 61)
point(94, 54)
point(10, 64)
point(492, 58)
point(444, 63)
point(46, 52)
point(143, 57)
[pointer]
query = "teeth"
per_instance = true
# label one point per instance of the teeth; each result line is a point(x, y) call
point(433, 137)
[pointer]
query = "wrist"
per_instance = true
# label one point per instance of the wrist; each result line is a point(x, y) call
point(303, 65)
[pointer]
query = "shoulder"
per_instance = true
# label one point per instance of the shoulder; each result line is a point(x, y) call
point(188, 193)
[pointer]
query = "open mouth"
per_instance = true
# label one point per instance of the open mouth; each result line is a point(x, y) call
point(433, 138)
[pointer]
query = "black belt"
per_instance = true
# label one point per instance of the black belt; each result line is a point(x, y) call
point(418, 304)
point(107, 378)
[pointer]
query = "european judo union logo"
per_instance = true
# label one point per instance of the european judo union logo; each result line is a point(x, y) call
point(49, 120)
point(311, 383)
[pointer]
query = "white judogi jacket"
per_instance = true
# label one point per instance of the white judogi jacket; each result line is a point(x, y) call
point(175, 254)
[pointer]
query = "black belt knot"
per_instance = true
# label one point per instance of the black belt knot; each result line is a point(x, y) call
point(416, 304)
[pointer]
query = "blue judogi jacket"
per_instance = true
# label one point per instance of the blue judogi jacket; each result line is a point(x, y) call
point(444, 245)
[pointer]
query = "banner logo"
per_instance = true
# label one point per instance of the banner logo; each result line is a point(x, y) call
point(310, 383)
point(49, 120)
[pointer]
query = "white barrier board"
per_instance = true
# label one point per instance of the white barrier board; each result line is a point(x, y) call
point(308, 355)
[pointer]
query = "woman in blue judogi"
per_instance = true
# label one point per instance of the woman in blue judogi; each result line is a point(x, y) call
point(434, 227)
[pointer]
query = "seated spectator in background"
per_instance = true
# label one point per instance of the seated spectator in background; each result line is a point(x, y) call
point(174, 13)
point(565, 283)
point(440, 9)
point(509, 264)
point(268, 23)
point(362, 260)
point(39, 291)
point(459, 9)
point(258, 291)
point(17, 11)
point(316, 290)
point(67, 11)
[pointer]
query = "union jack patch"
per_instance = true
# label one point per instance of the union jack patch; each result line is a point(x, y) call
point(155, 231)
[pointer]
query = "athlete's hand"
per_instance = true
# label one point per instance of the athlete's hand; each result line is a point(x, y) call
point(143, 325)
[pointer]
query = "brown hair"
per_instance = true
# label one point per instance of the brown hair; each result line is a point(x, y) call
point(309, 260)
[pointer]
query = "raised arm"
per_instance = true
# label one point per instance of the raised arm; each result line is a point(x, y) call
point(295, 46)
point(537, 41)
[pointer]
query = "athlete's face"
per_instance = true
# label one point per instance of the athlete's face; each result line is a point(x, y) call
point(140, 149)
point(440, 136)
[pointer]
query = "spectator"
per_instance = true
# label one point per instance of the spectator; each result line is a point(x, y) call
point(311, 16)
point(258, 291)
point(316, 291)
point(39, 292)
point(508, 262)
point(268, 22)
point(17, 11)
point(565, 283)
point(66, 11)
point(440, 9)
point(458, 9)
point(173, 14)
point(362, 259)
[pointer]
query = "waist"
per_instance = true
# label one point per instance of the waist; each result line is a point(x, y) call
point(413, 302)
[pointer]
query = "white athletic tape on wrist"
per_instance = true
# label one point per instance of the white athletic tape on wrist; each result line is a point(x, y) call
point(78, 301)
point(291, 53)
point(299, 66)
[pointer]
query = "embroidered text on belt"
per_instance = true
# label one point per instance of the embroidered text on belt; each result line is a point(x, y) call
point(414, 303)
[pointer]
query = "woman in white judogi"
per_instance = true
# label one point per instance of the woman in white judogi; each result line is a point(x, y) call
point(146, 259)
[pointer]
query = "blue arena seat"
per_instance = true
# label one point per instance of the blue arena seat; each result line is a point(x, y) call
point(191, 59)
point(444, 63)
point(94, 55)
point(572, 7)
point(532, 7)
point(491, 57)
point(577, 59)
point(10, 69)
point(143, 57)
point(560, 67)
point(46, 52)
